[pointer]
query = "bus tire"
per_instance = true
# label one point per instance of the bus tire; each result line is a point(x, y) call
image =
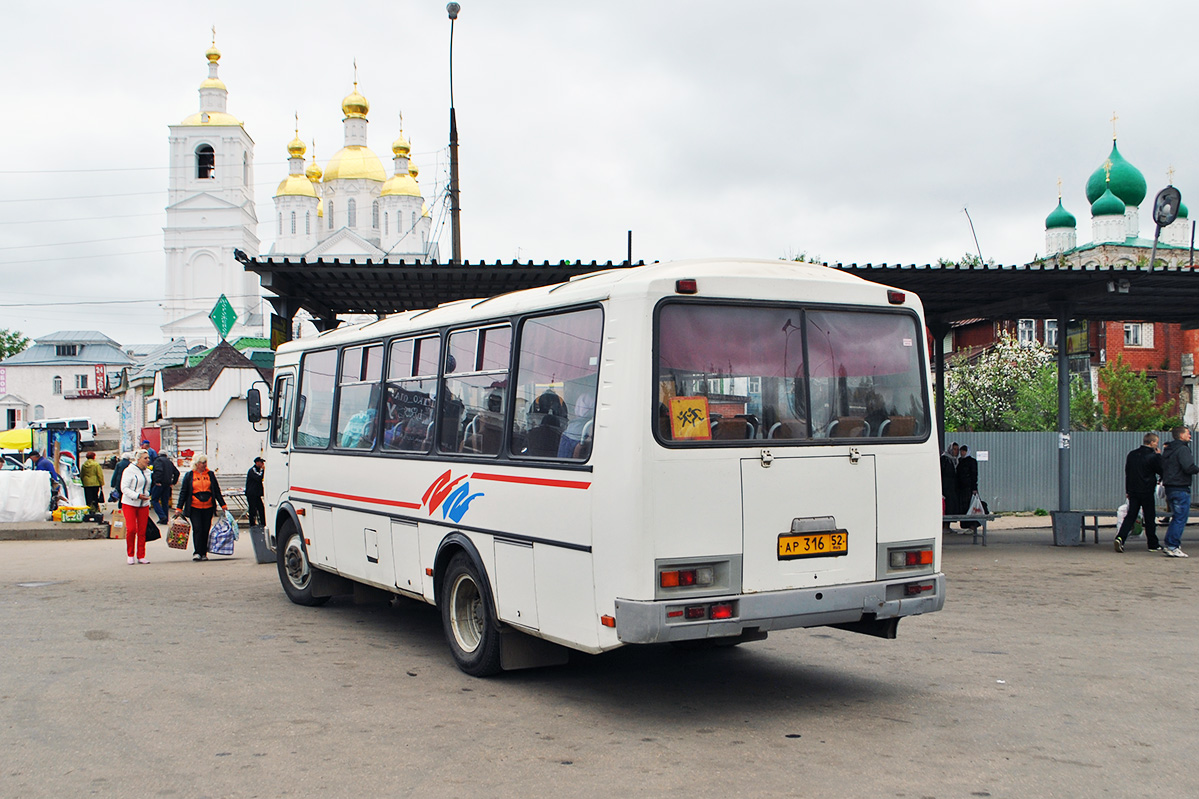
point(471, 628)
point(295, 573)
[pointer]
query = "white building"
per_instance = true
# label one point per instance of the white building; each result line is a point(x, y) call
point(210, 213)
point(203, 409)
point(62, 374)
point(353, 209)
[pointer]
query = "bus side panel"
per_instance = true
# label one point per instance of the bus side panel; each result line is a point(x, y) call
point(514, 584)
point(318, 536)
point(405, 557)
point(566, 611)
point(910, 507)
point(362, 542)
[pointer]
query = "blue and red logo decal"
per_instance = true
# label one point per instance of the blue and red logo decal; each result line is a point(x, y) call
point(450, 494)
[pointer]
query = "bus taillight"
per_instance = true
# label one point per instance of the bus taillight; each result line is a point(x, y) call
point(676, 578)
point(910, 558)
point(721, 610)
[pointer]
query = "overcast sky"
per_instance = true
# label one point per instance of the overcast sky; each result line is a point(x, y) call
point(851, 132)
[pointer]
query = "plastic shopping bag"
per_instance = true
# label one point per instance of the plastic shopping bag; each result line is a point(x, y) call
point(1121, 512)
point(976, 506)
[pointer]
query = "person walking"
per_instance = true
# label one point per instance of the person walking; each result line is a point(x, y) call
point(135, 505)
point(1178, 466)
point(153, 452)
point(92, 477)
point(164, 476)
point(1142, 470)
point(118, 471)
point(254, 492)
point(199, 496)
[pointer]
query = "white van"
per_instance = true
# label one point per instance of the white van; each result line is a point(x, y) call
point(87, 430)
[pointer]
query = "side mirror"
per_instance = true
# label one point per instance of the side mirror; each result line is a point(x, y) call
point(253, 406)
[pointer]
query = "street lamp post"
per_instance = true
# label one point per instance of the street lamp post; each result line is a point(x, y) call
point(455, 209)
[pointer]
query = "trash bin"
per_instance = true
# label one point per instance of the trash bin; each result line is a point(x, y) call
point(261, 551)
point(1067, 528)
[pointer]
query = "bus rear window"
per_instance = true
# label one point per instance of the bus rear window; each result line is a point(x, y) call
point(732, 373)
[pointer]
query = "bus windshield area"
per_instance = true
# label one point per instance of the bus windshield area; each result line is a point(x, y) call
point(736, 372)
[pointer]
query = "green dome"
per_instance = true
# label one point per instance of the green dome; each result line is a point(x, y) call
point(1127, 181)
point(1182, 211)
point(1060, 217)
point(1108, 204)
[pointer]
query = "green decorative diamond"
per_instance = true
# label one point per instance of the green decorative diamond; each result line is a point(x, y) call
point(223, 316)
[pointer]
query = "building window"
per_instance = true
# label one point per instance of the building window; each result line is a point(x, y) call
point(1051, 333)
point(375, 215)
point(351, 213)
point(1138, 334)
point(413, 227)
point(293, 223)
point(1026, 332)
point(57, 389)
point(280, 230)
point(205, 162)
point(245, 168)
point(384, 223)
point(81, 381)
point(66, 350)
point(330, 215)
point(307, 222)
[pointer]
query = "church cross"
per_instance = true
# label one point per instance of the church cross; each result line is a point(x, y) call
point(1114, 118)
point(1170, 176)
point(1059, 188)
point(214, 35)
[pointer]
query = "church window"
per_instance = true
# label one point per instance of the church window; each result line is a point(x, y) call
point(384, 223)
point(330, 215)
point(375, 215)
point(57, 385)
point(351, 213)
point(413, 227)
point(205, 161)
point(245, 168)
point(293, 223)
point(280, 231)
point(307, 222)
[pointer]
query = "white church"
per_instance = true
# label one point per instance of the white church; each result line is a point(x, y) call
point(351, 209)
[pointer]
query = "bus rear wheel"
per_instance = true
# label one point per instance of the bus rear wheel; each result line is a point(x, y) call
point(471, 628)
point(294, 570)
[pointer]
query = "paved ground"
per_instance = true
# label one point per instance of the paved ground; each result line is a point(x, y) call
point(1051, 673)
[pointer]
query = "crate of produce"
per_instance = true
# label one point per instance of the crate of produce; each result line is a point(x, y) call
point(73, 514)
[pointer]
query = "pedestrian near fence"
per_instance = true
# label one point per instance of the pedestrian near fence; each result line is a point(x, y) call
point(1178, 466)
point(1142, 470)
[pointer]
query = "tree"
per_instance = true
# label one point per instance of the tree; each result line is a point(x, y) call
point(11, 342)
point(1128, 400)
point(1011, 387)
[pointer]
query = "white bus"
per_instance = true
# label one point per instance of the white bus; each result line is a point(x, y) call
point(697, 452)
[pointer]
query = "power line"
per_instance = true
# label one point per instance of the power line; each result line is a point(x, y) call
point(69, 243)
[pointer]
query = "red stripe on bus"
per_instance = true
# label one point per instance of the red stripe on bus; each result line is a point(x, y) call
point(536, 481)
point(374, 500)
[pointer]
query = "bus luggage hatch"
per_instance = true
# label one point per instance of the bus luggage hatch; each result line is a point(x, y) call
point(808, 521)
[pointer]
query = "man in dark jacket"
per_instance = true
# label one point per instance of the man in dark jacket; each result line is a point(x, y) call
point(164, 476)
point(254, 492)
point(1142, 470)
point(1178, 465)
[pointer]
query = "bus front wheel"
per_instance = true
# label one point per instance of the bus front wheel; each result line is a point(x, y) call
point(294, 570)
point(471, 628)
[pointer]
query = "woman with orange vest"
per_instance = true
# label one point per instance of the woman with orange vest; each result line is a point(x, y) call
point(199, 496)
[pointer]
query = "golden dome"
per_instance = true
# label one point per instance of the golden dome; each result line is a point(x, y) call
point(213, 54)
point(400, 186)
point(401, 146)
point(355, 105)
point(296, 186)
point(313, 172)
point(355, 162)
point(320, 208)
point(214, 83)
point(412, 170)
point(296, 148)
point(424, 209)
point(214, 118)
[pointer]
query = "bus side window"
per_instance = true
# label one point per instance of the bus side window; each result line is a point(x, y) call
point(358, 399)
point(474, 397)
point(281, 412)
point(556, 382)
point(314, 410)
point(411, 394)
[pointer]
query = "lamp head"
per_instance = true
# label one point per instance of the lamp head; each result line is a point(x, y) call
point(452, 9)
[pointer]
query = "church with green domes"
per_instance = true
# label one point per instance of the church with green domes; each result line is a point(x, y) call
point(1115, 191)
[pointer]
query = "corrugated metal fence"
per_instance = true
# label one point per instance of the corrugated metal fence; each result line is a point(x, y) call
point(1020, 470)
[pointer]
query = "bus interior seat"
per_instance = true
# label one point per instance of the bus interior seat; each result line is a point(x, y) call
point(848, 427)
point(787, 428)
point(899, 426)
point(723, 429)
point(545, 437)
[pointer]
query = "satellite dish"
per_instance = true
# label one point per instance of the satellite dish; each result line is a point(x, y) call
point(1165, 207)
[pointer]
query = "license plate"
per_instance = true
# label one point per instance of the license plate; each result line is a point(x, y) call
point(794, 546)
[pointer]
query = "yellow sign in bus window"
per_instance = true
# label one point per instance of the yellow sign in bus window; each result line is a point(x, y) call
point(689, 419)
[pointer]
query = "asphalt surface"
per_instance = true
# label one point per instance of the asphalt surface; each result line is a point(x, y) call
point(1052, 672)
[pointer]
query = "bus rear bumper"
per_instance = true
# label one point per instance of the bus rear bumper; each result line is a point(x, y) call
point(659, 621)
